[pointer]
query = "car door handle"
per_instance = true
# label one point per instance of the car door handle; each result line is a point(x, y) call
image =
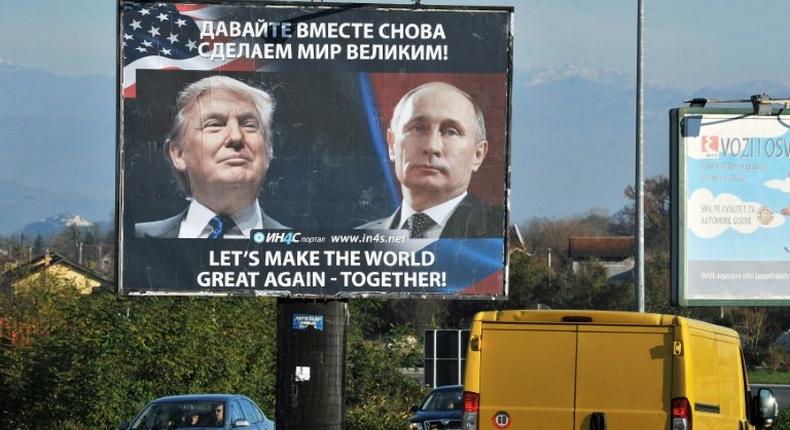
point(598, 421)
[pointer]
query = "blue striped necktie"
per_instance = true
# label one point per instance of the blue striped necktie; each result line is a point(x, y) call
point(220, 225)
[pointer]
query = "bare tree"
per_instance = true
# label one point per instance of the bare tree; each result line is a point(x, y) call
point(751, 322)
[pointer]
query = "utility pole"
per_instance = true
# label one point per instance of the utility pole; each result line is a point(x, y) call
point(639, 275)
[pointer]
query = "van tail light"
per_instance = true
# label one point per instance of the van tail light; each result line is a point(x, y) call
point(471, 409)
point(681, 414)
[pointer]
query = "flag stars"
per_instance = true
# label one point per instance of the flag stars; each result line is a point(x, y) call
point(158, 30)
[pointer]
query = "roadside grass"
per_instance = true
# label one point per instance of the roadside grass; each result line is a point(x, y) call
point(764, 376)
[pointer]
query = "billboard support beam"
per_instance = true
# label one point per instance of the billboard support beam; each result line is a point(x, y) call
point(311, 356)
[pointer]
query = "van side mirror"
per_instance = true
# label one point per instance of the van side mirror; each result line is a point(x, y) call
point(765, 407)
point(414, 409)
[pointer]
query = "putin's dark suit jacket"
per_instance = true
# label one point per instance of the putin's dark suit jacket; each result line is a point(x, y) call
point(471, 219)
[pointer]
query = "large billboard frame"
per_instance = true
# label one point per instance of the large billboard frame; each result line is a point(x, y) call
point(682, 293)
point(123, 233)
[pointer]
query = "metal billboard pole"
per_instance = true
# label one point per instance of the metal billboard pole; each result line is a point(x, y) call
point(639, 278)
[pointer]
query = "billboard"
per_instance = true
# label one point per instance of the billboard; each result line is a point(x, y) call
point(313, 150)
point(731, 198)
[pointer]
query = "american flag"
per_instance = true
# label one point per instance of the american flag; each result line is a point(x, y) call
point(164, 36)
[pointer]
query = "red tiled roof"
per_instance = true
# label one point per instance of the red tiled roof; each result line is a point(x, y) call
point(602, 247)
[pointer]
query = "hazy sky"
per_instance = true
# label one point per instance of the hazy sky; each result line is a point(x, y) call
point(689, 44)
point(699, 47)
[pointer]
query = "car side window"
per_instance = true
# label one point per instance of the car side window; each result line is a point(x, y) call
point(235, 412)
point(250, 413)
point(259, 412)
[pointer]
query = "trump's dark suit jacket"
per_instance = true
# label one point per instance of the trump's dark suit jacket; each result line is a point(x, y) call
point(168, 227)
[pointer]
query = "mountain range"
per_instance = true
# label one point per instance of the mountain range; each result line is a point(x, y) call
point(572, 145)
point(58, 146)
point(55, 224)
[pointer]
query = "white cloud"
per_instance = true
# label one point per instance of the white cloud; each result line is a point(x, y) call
point(710, 216)
point(782, 185)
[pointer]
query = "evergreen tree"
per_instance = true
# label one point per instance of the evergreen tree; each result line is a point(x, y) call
point(39, 246)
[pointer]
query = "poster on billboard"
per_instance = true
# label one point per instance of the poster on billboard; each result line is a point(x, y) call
point(313, 150)
point(731, 210)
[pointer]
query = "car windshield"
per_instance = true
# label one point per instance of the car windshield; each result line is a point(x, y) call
point(443, 401)
point(181, 415)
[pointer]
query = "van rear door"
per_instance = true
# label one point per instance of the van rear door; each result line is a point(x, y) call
point(527, 371)
point(556, 376)
point(624, 373)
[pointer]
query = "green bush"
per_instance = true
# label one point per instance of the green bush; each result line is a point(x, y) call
point(783, 422)
point(378, 395)
point(91, 362)
point(94, 361)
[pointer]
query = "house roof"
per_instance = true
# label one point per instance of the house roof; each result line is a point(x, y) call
point(50, 258)
point(601, 247)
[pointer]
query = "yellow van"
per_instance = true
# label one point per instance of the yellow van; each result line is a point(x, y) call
point(580, 370)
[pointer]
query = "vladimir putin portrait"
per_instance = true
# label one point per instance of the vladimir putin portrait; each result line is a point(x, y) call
point(437, 141)
point(219, 149)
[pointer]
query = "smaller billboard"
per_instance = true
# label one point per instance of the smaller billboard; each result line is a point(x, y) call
point(731, 203)
point(445, 357)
